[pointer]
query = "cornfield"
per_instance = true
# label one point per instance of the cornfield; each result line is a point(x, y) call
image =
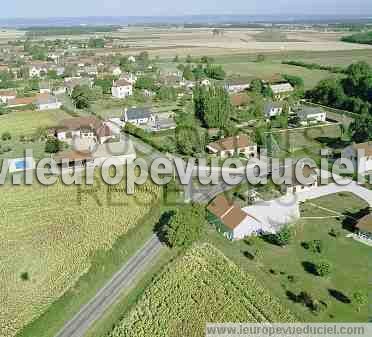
point(50, 234)
point(203, 286)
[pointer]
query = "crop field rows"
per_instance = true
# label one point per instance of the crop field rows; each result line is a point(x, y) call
point(202, 286)
point(52, 245)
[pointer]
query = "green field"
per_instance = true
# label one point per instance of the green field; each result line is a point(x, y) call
point(202, 286)
point(57, 245)
point(275, 266)
point(28, 122)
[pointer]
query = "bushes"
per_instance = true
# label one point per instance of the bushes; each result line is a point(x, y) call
point(322, 268)
point(315, 246)
point(6, 136)
point(315, 66)
point(282, 238)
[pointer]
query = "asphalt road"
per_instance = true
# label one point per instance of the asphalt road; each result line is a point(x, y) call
point(92, 311)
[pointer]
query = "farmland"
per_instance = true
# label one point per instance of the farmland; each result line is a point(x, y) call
point(48, 247)
point(28, 122)
point(203, 286)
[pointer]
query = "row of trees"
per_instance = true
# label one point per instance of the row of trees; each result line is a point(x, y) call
point(352, 93)
point(201, 71)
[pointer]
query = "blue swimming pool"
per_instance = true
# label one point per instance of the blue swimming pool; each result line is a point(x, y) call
point(21, 165)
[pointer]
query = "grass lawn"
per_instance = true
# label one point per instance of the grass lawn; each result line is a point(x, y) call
point(27, 122)
point(275, 266)
point(267, 69)
point(68, 252)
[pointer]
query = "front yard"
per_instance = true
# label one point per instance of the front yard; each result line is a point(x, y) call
point(286, 272)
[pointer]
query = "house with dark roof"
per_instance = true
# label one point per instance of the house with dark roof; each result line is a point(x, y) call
point(272, 109)
point(311, 115)
point(233, 222)
point(230, 146)
point(138, 116)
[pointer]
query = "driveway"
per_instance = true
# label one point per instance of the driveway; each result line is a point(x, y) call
point(286, 209)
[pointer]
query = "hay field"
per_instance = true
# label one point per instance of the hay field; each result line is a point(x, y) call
point(167, 42)
point(50, 233)
point(202, 286)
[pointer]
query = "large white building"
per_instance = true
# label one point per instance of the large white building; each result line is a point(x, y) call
point(122, 89)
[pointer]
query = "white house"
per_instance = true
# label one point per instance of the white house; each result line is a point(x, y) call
point(228, 147)
point(129, 77)
point(132, 59)
point(138, 116)
point(362, 162)
point(295, 185)
point(47, 102)
point(233, 222)
point(273, 109)
point(38, 70)
point(121, 89)
point(7, 95)
point(118, 153)
point(116, 71)
point(237, 86)
point(311, 115)
point(281, 90)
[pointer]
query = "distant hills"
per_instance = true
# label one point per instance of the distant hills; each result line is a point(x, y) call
point(180, 20)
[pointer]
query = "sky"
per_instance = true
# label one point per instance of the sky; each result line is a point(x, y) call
point(79, 8)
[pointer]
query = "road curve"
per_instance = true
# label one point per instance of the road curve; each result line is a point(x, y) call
point(93, 310)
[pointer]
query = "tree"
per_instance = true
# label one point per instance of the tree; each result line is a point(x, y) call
point(260, 58)
point(6, 136)
point(189, 59)
point(105, 84)
point(145, 82)
point(81, 95)
point(360, 299)
point(322, 268)
point(256, 86)
point(188, 73)
point(214, 71)
point(295, 81)
point(52, 145)
point(315, 246)
point(186, 226)
point(190, 137)
point(361, 128)
point(96, 43)
point(176, 59)
point(281, 238)
point(212, 106)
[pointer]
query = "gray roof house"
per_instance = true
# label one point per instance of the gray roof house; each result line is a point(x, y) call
point(47, 102)
point(272, 109)
point(309, 115)
point(138, 116)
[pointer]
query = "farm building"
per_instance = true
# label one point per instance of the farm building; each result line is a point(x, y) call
point(232, 221)
point(364, 227)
